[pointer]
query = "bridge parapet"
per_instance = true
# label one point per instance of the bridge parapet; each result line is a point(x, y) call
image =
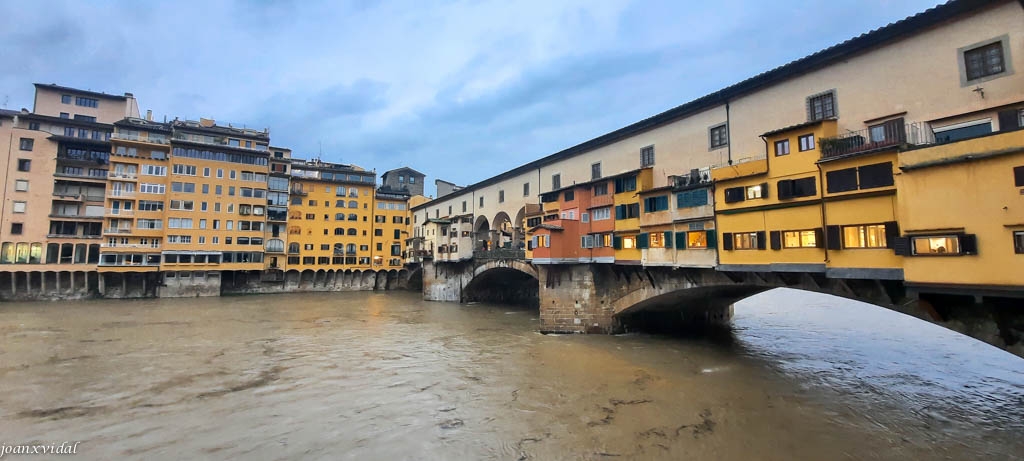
point(500, 253)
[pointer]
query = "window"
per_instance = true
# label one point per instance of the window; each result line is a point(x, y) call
point(501, 196)
point(653, 204)
point(1018, 176)
point(526, 190)
point(627, 211)
point(821, 106)
point(87, 118)
point(26, 144)
point(964, 130)
point(24, 164)
point(936, 245)
point(1018, 242)
point(984, 61)
point(570, 195)
point(719, 136)
point(595, 170)
point(800, 239)
point(16, 228)
point(629, 242)
point(600, 214)
point(556, 181)
point(748, 240)
point(655, 240)
point(65, 99)
point(20, 207)
point(234, 174)
point(867, 236)
point(153, 170)
point(65, 115)
point(755, 192)
point(625, 184)
point(697, 239)
point(807, 142)
point(601, 189)
point(841, 180)
point(791, 188)
point(646, 157)
point(782, 148)
point(86, 102)
point(875, 175)
point(21, 185)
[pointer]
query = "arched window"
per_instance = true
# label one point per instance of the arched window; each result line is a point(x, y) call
point(353, 204)
point(7, 253)
point(81, 253)
point(352, 231)
point(22, 253)
point(293, 248)
point(94, 253)
point(275, 245)
point(341, 191)
point(67, 251)
point(353, 193)
point(52, 253)
point(339, 217)
point(351, 249)
point(353, 217)
point(339, 248)
point(339, 204)
point(339, 231)
point(35, 254)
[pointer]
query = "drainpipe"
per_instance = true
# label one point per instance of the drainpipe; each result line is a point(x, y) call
point(728, 132)
point(824, 221)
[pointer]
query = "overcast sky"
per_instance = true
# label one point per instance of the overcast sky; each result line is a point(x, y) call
point(457, 90)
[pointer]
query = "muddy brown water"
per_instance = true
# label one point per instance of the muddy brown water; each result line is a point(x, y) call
point(373, 376)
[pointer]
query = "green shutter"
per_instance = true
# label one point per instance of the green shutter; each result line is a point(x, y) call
point(617, 242)
point(680, 240)
point(668, 237)
point(712, 239)
point(643, 241)
point(699, 197)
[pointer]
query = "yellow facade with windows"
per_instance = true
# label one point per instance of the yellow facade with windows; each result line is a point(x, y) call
point(330, 221)
point(626, 206)
point(389, 230)
point(961, 213)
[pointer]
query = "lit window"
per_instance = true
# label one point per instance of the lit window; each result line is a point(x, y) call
point(754, 192)
point(629, 242)
point(657, 240)
point(801, 239)
point(697, 239)
point(869, 236)
point(936, 245)
point(745, 241)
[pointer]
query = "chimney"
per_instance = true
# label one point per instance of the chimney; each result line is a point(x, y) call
point(149, 115)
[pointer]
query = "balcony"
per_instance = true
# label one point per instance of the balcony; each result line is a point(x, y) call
point(298, 192)
point(117, 230)
point(889, 135)
point(65, 172)
point(120, 176)
point(119, 212)
point(120, 194)
point(68, 215)
point(72, 197)
point(137, 138)
point(132, 246)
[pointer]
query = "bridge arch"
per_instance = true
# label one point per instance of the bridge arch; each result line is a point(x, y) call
point(503, 282)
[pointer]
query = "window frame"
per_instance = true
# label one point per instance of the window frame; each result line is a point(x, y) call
point(800, 142)
point(811, 116)
point(646, 156)
point(723, 142)
point(885, 240)
point(961, 56)
point(782, 143)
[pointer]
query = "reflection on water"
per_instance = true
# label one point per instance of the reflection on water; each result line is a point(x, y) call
point(388, 376)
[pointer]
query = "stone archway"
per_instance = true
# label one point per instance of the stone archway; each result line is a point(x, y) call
point(518, 232)
point(481, 234)
point(502, 232)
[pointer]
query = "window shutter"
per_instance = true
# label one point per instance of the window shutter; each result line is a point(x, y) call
point(819, 238)
point(668, 239)
point(785, 189)
point(892, 230)
point(761, 240)
point(834, 239)
point(776, 238)
point(712, 239)
point(968, 244)
point(764, 190)
point(617, 242)
point(700, 197)
point(727, 241)
point(620, 212)
point(895, 130)
point(680, 240)
point(1009, 119)
point(901, 246)
point(531, 244)
point(643, 240)
point(734, 194)
point(583, 242)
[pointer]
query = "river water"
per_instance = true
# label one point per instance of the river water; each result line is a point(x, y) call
point(373, 376)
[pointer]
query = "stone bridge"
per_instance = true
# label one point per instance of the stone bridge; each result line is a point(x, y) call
point(608, 298)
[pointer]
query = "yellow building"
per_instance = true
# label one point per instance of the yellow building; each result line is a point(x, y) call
point(330, 217)
point(278, 186)
point(961, 212)
point(133, 220)
point(626, 200)
point(390, 228)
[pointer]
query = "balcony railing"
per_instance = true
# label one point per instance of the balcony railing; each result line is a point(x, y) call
point(298, 192)
point(130, 245)
point(120, 193)
point(137, 138)
point(117, 230)
point(67, 215)
point(123, 176)
point(885, 136)
point(120, 212)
